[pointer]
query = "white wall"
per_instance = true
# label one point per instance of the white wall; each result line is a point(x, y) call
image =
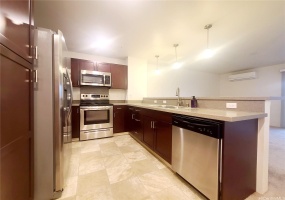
point(190, 82)
point(137, 78)
point(267, 83)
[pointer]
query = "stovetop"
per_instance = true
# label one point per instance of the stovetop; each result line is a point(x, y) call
point(94, 103)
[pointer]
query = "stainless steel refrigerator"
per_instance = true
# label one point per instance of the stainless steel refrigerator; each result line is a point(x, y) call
point(52, 114)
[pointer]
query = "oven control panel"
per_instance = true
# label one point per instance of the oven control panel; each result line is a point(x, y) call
point(94, 96)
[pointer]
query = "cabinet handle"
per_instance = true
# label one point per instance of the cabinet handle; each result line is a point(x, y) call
point(77, 110)
point(78, 82)
point(137, 110)
point(133, 116)
point(114, 115)
point(151, 124)
point(119, 108)
point(154, 124)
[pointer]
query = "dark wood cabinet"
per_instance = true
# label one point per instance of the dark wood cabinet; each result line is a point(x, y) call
point(134, 122)
point(148, 131)
point(16, 100)
point(163, 140)
point(119, 76)
point(17, 32)
point(103, 67)
point(157, 132)
point(75, 121)
point(119, 113)
point(75, 74)
point(16, 166)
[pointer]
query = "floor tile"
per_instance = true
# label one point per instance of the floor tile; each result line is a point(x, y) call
point(171, 193)
point(143, 167)
point(155, 181)
point(101, 192)
point(135, 156)
point(115, 161)
point(110, 151)
point(131, 189)
point(88, 182)
point(120, 173)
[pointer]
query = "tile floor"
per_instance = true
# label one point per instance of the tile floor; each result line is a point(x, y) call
point(119, 168)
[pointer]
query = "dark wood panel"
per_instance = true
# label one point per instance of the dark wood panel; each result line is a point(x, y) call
point(103, 67)
point(119, 119)
point(239, 159)
point(158, 115)
point(128, 119)
point(148, 132)
point(16, 34)
point(119, 76)
point(16, 170)
point(75, 122)
point(86, 65)
point(15, 101)
point(75, 73)
point(163, 140)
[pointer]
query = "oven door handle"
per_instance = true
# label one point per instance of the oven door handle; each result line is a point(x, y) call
point(97, 108)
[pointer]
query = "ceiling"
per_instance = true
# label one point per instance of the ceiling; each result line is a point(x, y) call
point(245, 34)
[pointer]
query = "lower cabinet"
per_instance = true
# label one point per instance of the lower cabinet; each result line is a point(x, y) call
point(75, 121)
point(157, 134)
point(119, 113)
point(134, 122)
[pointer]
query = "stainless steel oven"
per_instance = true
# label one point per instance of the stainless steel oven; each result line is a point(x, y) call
point(96, 117)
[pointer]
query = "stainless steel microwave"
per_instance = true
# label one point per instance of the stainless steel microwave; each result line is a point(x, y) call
point(95, 78)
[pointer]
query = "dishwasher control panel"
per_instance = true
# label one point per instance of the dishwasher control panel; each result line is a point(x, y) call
point(212, 128)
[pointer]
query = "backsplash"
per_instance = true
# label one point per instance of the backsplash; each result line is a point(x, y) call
point(114, 94)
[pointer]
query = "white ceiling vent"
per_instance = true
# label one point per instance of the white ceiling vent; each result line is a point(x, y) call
point(242, 76)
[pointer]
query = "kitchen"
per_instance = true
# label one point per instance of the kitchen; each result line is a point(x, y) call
point(207, 79)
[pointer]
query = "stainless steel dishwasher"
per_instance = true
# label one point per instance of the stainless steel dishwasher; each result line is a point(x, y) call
point(196, 147)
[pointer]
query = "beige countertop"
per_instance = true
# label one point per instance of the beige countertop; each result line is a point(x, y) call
point(216, 114)
point(223, 115)
point(225, 98)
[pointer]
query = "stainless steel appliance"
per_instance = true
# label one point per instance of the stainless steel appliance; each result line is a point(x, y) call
point(96, 116)
point(52, 114)
point(95, 78)
point(196, 147)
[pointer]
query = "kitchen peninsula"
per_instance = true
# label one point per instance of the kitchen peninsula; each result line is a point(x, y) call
point(246, 130)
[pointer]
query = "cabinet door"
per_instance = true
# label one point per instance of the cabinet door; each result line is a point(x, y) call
point(75, 122)
point(129, 119)
point(103, 67)
point(86, 65)
point(119, 119)
point(163, 140)
point(16, 32)
point(119, 76)
point(75, 73)
point(148, 131)
point(16, 165)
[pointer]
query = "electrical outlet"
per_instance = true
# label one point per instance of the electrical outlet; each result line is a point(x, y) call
point(155, 101)
point(164, 101)
point(231, 105)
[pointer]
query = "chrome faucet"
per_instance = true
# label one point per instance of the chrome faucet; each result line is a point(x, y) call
point(179, 101)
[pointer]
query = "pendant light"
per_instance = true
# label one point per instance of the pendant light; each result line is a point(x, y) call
point(176, 65)
point(157, 71)
point(208, 53)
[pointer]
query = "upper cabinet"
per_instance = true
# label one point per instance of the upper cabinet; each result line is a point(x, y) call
point(119, 72)
point(119, 76)
point(16, 34)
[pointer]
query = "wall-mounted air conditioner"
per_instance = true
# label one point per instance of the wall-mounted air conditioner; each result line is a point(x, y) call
point(242, 76)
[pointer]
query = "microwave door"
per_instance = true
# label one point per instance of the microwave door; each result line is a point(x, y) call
point(92, 79)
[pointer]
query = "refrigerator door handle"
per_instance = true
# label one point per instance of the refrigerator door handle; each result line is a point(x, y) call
point(71, 93)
